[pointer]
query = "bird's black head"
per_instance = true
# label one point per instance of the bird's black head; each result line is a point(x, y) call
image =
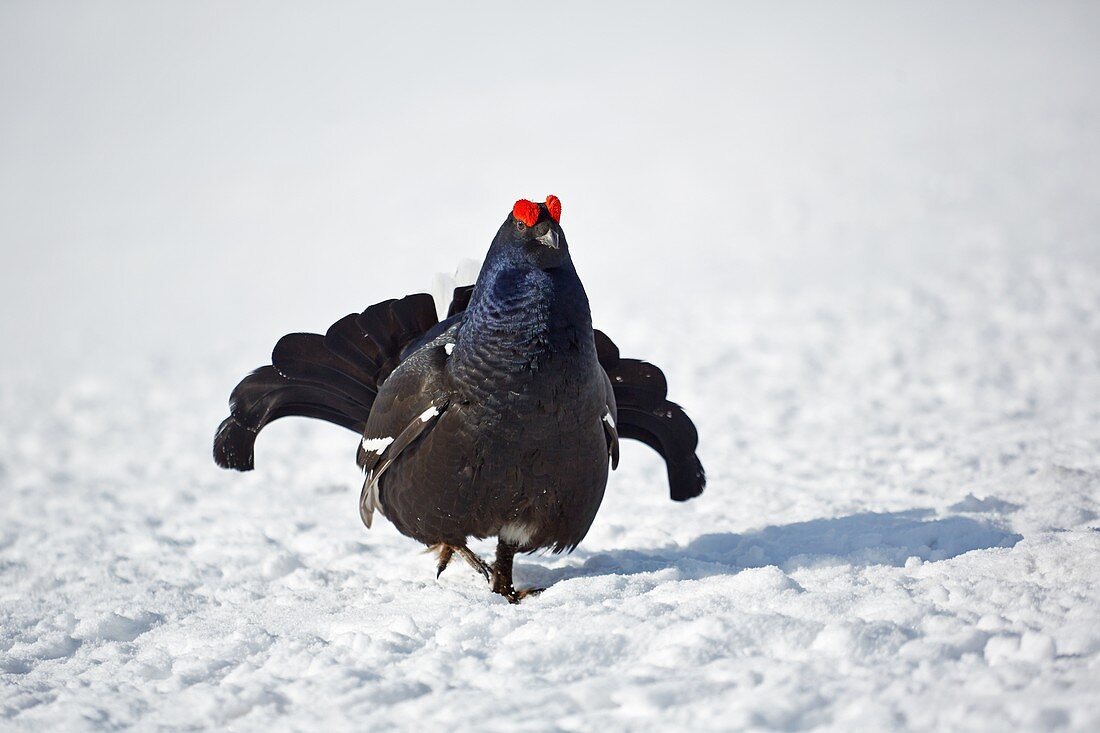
point(532, 234)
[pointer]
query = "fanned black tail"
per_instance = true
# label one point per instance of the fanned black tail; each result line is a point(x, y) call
point(644, 414)
point(334, 377)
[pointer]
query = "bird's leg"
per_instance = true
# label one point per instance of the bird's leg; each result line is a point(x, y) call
point(502, 574)
point(502, 571)
point(475, 562)
point(446, 552)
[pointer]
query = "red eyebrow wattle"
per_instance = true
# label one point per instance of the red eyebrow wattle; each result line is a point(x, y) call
point(526, 211)
point(553, 205)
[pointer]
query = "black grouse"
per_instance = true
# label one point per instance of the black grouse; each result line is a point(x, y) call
point(499, 421)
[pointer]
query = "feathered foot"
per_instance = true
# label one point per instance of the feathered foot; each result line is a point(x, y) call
point(502, 575)
point(446, 552)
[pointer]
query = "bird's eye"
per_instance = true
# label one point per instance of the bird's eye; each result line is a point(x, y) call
point(520, 226)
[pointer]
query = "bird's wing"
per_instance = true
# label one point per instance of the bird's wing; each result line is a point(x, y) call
point(610, 422)
point(378, 454)
point(409, 404)
point(645, 414)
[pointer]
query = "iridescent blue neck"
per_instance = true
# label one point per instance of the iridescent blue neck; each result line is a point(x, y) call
point(521, 318)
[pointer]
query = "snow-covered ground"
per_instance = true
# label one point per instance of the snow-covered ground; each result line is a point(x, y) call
point(864, 246)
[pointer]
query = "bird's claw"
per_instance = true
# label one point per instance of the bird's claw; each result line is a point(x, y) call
point(525, 593)
point(446, 552)
point(499, 576)
point(502, 585)
point(515, 596)
point(475, 562)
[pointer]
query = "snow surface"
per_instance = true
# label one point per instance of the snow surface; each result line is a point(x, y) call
point(862, 243)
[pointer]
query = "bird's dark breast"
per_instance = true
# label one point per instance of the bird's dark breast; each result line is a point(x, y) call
point(526, 459)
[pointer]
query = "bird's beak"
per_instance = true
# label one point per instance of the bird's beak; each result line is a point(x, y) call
point(550, 239)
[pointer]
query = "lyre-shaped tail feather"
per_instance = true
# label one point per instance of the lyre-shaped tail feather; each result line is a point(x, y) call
point(334, 377)
point(646, 415)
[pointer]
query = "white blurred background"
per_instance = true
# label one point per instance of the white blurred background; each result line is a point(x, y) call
point(179, 178)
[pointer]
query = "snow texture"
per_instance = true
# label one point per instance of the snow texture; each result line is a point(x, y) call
point(862, 243)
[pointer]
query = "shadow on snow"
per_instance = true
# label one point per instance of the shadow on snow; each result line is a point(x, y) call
point(858, 539)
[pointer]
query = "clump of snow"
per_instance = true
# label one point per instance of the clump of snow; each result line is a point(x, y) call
point(992, 504)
